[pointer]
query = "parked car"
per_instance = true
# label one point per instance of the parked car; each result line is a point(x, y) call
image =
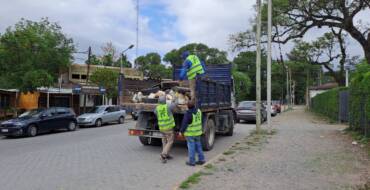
point(277, 105)
point(100, 115)
point(38, 121)
point(246, 110)
point(273, 110)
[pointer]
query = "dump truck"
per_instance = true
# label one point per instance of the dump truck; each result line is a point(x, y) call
point(214, 94)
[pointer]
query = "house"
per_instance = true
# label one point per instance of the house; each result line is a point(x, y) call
point(315, 90)
point(8, 101)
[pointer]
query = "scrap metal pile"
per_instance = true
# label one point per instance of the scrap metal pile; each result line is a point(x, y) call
point(172, 90)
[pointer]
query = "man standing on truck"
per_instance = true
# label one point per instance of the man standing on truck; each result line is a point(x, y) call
point(191, 68)
point(191, 128)
point(166, 123)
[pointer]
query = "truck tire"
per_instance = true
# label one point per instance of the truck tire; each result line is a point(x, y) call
point(208, 138)
point(153, 141)
point(231, 119)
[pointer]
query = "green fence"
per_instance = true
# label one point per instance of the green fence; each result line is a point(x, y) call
point(328, 103)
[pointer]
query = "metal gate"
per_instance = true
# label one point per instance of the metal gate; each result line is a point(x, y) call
point(343, 106)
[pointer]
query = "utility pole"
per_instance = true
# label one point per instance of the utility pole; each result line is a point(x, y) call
point(287, 85)
point(87, 75)
point(137, 32)
point(269, 34)
point(258, 69)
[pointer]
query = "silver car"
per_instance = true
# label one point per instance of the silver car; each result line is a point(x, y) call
point(99, 115)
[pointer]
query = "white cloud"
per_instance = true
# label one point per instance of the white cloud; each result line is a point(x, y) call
point(211, 21)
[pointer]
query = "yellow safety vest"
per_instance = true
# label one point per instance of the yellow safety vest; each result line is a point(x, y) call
point(195, 128)
point(165, 122)
point(196, 67)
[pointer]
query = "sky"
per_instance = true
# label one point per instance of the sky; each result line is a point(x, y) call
point(163, 24)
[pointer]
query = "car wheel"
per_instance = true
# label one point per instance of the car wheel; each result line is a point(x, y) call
point(121, 120)
point(72, 126)
point(32, 131)
point(237, 121)
point(98, 123)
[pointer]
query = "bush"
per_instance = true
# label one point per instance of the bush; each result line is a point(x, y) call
point(327, 103)
point(360, 99)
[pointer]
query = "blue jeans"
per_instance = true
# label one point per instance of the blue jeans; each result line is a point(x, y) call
point(194, 146)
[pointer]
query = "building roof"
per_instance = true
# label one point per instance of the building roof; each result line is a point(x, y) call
point(325, 86)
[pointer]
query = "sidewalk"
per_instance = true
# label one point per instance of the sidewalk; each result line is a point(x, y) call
point(305, 153)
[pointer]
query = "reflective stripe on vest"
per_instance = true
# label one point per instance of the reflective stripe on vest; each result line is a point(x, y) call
point(196, 67)
point(165, 122)
point(195, 128)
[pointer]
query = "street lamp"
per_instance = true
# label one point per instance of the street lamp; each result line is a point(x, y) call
point(129, 47)
point(121, 75)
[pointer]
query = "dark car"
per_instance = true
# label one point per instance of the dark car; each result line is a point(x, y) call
point(38, 121)
point(246, 111)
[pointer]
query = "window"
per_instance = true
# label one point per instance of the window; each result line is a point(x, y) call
point(111, 109)
point(83, 77)
point(50, 112)
point(62, 111)
point(75, 76)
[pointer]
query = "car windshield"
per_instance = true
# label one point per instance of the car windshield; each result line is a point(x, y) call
point(32, 113)
point(247, 104)
point(97, 110)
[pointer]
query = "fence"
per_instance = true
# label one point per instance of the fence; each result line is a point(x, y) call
point(345, 105)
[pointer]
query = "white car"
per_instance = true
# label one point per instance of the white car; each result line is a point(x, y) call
point(100, 115)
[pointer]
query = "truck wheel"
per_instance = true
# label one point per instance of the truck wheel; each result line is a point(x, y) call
point(231, 128)
point(153, 141)
point(208, 138)
point(144, 140)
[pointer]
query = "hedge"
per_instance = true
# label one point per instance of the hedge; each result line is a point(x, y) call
point(360, 99)
point(327, 103)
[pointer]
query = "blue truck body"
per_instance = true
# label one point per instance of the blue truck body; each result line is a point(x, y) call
point(214, 88)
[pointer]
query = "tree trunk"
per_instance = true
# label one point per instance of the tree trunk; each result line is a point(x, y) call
point(367, 53)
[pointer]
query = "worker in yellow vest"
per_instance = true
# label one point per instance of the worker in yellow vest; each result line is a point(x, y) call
point(192, 68)
point(166, 124)
point(191, 128)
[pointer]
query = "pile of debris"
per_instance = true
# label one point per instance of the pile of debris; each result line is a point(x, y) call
point(172, 91)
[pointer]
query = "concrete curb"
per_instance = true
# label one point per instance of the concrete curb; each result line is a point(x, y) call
point(198, 169)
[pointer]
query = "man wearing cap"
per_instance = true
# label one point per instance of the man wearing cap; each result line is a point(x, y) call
point(191, 69)
point(166, 123)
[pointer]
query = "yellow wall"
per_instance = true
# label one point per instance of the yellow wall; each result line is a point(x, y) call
point(28, 100)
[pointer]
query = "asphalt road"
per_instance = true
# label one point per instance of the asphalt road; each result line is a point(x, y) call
point(95, 158)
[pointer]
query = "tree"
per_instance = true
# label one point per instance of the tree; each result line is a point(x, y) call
point(106, 78)
point(209, 55)
point(246, 62)
point(242, 85)
point(323, 52)
point(294, 18)
point(125, 62)
point(40, 47)
point(150, 65)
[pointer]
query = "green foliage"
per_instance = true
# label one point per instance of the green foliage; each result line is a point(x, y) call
point(209, 55)
point(327, 103)
point(107, 78)
point(242, 85)
point(150, 65)
point(148, 59)
point(360, 99)
point(36, 78)
point(157, 72)
point(33, 46)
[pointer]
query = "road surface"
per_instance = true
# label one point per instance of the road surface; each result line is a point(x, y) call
point(95, 158)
